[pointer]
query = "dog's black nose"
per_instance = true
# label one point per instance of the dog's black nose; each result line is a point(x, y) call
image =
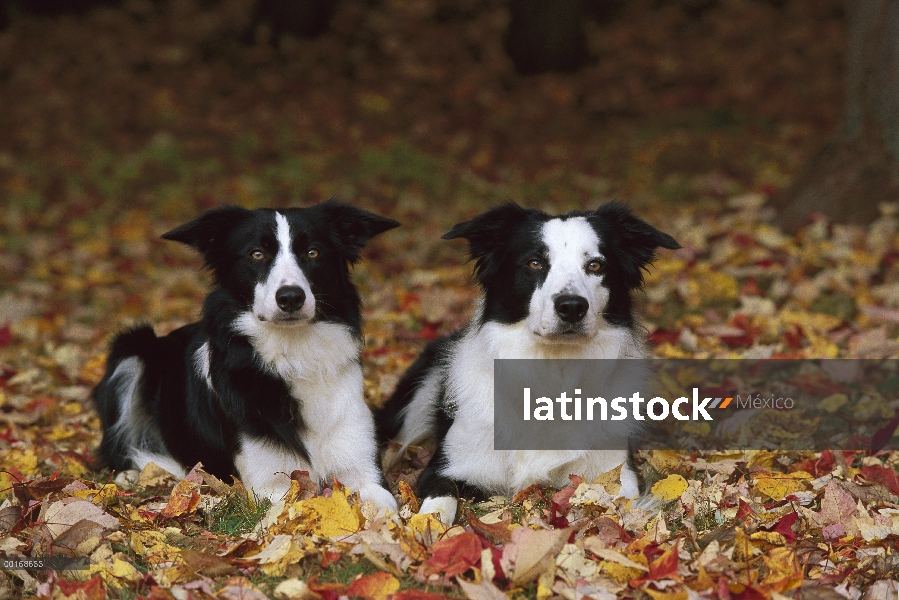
point(290, 298)
point(571, 309)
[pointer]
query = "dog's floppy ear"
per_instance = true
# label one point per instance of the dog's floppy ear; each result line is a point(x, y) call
point(355, 227)
point(635, 240)
point(209, 229)
point(487, 232)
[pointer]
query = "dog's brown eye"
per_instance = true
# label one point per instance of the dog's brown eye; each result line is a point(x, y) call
point(313, 253)
point(594, 266)
point(535, 264)
point(257, 254)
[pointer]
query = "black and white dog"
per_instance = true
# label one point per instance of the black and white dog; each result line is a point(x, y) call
point(269, 380)
point(553, 287)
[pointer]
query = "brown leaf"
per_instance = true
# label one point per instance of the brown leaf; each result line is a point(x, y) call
point(307, 487)
point(207, 564)
point(498, 532)
point(531, 552)
point(70, 542)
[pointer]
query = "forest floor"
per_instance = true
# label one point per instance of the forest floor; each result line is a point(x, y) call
point(123, 123)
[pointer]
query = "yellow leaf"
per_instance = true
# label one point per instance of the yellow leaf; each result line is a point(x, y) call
point(810, 321)
point(784, 572)
point(664, 460)
point(656, 595)
point(778, 487)
point(772, 537)
point(545, 583)
point(153, 546)
point(332, 516)
point(100, 497)
point(618, 572)
point(670, 488)
point(833, 402)
point(123, 570)
point(611, 480)
point(426, 525)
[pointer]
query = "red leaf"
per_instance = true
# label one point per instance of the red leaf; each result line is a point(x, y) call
point(89, 590)
point(737, 341)
point(373, 587)
point(664, 567)
point(882, 475)
point(561, 499)
point(883, 435)
point(750, 593)
point(5, 336)
point(453, 556)
point(744, 511)
point(817, 467)
point(663, 335)
point(793, 337)
point(785, 526)
point(328, 591)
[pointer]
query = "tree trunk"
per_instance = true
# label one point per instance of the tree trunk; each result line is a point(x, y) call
point(859, 167)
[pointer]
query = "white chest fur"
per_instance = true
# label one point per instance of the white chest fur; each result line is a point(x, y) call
point(470, 387)
point(319, 363)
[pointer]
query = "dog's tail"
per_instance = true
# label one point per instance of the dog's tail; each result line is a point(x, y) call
point(118, 395)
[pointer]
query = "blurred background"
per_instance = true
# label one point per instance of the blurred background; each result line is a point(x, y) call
point(173, 106)
point(122, 119)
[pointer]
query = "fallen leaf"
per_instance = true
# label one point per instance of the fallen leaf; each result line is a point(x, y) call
point(377, 586)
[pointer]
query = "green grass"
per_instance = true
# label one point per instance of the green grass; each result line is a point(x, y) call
point(236, 514)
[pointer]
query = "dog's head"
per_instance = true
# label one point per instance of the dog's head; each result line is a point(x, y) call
point(568, 276)
point(285, 266)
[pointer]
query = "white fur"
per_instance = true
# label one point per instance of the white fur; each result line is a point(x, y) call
point(141, 459)
point(571, 245)
point(444, 507)
point(143, 441)
point(201, 364)
point(470, 390)
point(311, 351)
point(320, 364)
point(417, 416)
point(285, 271)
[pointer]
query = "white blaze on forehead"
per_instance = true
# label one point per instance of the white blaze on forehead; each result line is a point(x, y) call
point(570, 244)
point(284, 271)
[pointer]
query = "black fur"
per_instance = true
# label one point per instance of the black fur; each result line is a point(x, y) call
point(502, 241)
point(181, 416)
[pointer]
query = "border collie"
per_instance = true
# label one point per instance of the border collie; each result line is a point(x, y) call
point(553, 287)
point(269, 380)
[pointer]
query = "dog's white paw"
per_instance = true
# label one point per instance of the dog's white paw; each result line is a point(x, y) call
point(381, 498)
point(443, 506)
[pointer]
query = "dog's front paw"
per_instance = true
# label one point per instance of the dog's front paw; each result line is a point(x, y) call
point(381, 498)
point(444, 507)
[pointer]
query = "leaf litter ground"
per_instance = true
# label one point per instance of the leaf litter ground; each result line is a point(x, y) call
point(123, 123)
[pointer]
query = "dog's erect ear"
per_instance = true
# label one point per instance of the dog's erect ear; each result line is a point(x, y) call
point(635, 240)
point(355, 227)
point(209, 229)
point(487, 232)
